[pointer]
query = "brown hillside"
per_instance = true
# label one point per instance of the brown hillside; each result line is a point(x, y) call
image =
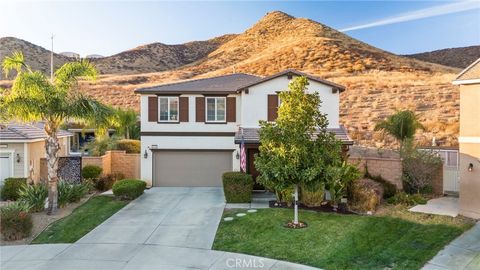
point(454, 57)
point(378, 82)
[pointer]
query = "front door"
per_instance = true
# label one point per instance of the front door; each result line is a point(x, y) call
point(251, 168)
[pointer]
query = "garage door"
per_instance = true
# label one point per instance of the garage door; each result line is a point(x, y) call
point(190, 168)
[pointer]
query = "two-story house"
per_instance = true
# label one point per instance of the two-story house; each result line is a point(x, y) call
point(191, 131)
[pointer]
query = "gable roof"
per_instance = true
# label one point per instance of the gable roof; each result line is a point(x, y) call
point(25, 132)
point(294, 72)
point(226, 84)
point(215, 85)
point(469, 74)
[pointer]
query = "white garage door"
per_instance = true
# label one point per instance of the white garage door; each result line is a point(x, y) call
point(203, 168)
point(5, 166)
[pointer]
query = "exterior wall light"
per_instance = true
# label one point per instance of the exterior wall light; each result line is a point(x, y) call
point(18, 158)
point(470, 167)
point(237, 155)
point(145, 155)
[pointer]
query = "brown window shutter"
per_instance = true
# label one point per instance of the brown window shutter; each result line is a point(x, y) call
point(231, 109)
point(152, 109)
point(272, 107)
point(200, 109)
point(183, 109)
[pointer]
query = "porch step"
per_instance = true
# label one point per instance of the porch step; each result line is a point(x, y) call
point(262, 197)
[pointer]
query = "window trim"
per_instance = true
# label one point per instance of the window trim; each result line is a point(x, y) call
point(168, 104)
point(206, 110)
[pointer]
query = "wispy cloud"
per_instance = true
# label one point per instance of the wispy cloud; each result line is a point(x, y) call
point(420, 14)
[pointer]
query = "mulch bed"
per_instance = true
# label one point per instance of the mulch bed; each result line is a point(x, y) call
point(342, 208)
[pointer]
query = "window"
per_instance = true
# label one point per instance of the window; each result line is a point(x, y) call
point(216, 109)
point(168, 107)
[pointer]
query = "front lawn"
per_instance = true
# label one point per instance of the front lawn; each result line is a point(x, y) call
point(396, 240)
point(82, 220)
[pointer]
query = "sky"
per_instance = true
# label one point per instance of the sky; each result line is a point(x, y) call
point(109, 27)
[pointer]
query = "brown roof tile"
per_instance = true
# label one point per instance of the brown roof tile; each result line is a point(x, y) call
point(16, 131)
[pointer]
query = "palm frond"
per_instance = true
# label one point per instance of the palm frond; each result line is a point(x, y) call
point(15, 62)
point(21, 108)
point(69, 74)
point(86, 109)
point(34, 85)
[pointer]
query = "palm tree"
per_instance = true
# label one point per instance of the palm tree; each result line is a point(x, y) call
point(126, 122)
point(35, 97)
point(402, 125)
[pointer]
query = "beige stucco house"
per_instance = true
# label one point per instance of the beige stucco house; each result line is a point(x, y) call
point(469, 140)
point(22, 146)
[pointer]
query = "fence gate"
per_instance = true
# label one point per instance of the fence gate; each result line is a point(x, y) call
point(450, 170)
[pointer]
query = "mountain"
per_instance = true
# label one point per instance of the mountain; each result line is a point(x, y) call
point(460, 57)
point(378, 82)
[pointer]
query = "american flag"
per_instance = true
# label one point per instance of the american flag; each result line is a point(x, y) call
point(243, 157)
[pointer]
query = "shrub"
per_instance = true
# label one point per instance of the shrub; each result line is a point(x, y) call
point(366, 195)
point(106, 182)
point(407, 199)
point(312, 197)
point(130, 146)
point(91, 172)
point(389, 189)
point(11, 187)
point(128, 189)
point(99, 146)
point(15, 221)
point(237, 187)
point(34, 196)
point(286, 195)
point(69, 193)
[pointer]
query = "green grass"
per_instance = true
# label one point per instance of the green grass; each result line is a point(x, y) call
point(82, 220)
point(396, 240)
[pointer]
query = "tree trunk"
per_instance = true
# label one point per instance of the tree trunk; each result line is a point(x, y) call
point(295, 206)
point(52, 146)
point(127, 133)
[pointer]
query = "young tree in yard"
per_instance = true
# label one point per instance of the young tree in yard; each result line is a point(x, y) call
point(34, 97)
point(296, 148)
point(402, 125)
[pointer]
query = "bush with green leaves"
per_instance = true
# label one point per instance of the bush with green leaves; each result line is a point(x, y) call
point(91, 172)
point(15, 221)
point(339, 178)
point(129, 146)
point(11, 186)
point(69, 193)
point(128, 189)
point(237, 187)
point(99, 146)
point(34, 196)
point(407, 199)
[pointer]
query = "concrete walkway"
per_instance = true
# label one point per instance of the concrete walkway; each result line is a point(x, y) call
point(462, 253)
point(166, 228)
point(445, 206)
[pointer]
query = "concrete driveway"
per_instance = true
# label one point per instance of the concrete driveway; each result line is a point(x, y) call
point(166, 228)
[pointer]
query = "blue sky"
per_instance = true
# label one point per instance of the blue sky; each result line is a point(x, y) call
point(109, 27)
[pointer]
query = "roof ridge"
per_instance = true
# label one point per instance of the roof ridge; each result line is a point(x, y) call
point(195, 80)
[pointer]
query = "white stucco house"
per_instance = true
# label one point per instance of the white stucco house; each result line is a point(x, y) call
point(191, 130)
point(21, 148)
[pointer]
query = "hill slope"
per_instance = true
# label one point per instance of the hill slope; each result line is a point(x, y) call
point(454, 57)
point(378, 82)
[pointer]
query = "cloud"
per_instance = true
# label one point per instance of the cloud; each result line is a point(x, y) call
point(420, 14)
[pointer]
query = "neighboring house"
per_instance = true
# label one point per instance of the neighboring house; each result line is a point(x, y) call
point(80, 137)
point(191, 130)
point(22, 146)
point(469, 140)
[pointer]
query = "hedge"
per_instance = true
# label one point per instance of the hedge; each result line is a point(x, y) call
point(91, 172)
point(128, 189)
point(11, 187)
point(237, 187)
point(130, 146)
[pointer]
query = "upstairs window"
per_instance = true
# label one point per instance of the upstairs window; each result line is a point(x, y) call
point(215, 109)
point(168, 108)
